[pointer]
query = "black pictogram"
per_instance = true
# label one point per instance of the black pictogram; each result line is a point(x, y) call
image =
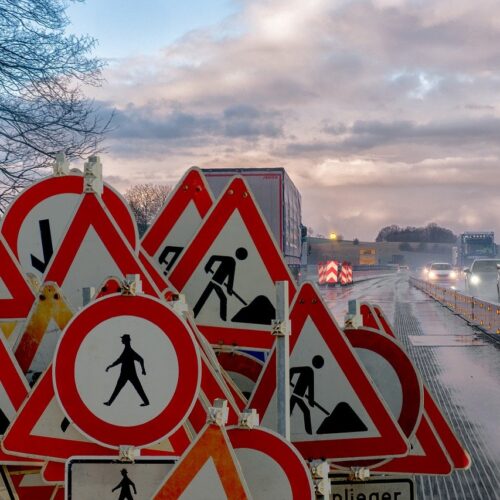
point(342, 419)
point(124, 487)
point(4, 422)
point(65, 424)
point(128, 372)
point(303, 390)
point(168, 257)
point(47, 248)
point(259, 311)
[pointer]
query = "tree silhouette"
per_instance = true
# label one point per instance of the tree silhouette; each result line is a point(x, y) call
point(42, 107)
point(146, 200)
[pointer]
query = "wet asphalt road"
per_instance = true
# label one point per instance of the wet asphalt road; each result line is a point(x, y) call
point(461, 368)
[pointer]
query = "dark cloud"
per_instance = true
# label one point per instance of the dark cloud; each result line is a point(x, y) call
point(364, 135)
point(162, 122)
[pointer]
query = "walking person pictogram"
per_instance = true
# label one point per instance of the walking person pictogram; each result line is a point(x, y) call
point(303, 389)
point(128, 372)
point(223, 275)
point(124, 486)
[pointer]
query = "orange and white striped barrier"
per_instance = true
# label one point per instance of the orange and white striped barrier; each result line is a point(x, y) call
point(332, 272)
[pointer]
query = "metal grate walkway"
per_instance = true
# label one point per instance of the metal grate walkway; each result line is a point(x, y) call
point(415, 314)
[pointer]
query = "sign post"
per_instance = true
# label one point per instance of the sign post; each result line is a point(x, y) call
point(281, 329)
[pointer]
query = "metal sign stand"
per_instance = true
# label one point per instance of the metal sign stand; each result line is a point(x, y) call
point(281, 330)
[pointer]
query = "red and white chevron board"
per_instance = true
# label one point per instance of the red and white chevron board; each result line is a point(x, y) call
point(349, 274)
point(344, 276)
point(321, 273)
point(332, 272)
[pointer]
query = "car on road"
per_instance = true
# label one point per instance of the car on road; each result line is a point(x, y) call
point(481, 278)
point(441, 271)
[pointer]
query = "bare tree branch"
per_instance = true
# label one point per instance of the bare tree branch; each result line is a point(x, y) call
point(42, 107)
point(146, 201)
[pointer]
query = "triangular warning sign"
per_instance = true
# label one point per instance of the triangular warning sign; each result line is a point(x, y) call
point(13, 391)
point(207, 470)
point(41, 430)
point(458, 455)
point(92, 249)
point(229, 270)
point(16, 295)
point(178, 221)
point(35, 347)
point(426, 457)
point(28, 484)
point(335, 410)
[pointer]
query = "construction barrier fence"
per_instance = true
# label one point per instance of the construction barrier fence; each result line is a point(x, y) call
point(479, 312)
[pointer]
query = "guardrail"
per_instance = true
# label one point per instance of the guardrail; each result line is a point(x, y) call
point(484, 314)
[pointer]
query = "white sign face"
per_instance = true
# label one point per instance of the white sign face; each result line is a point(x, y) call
point(205, 484)
point(323, 403)
point(35, 223)
point(52, 423)
point(264, 476)
point(42, 231)
point(126, 370)
point(388, 489)
point(91, 263)
point(4, 291)
point(384, 377)
point(91, 478)
point(231, 286)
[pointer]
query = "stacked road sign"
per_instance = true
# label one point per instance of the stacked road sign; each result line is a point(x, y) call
point(123, 369)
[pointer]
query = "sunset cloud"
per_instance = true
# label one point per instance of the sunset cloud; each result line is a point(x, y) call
point(382, 111)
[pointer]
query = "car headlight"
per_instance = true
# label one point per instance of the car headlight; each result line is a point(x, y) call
point(453, 275)
point(475, 280)
point(431, 275)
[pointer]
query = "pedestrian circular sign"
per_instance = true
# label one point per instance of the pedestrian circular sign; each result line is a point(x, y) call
point(127, 371)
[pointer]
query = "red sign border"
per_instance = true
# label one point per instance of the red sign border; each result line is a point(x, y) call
point(183, 399)
point(192, 187)
point(281, 451)
point(91, 212)
point(411, 383)
point(67, 184)
point(17, 307)
point(459, 456)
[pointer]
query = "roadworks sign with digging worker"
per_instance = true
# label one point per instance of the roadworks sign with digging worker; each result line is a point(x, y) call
point(335, 410)
point(228, 272)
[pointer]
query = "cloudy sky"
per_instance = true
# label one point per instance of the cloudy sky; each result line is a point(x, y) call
point(383, 111)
